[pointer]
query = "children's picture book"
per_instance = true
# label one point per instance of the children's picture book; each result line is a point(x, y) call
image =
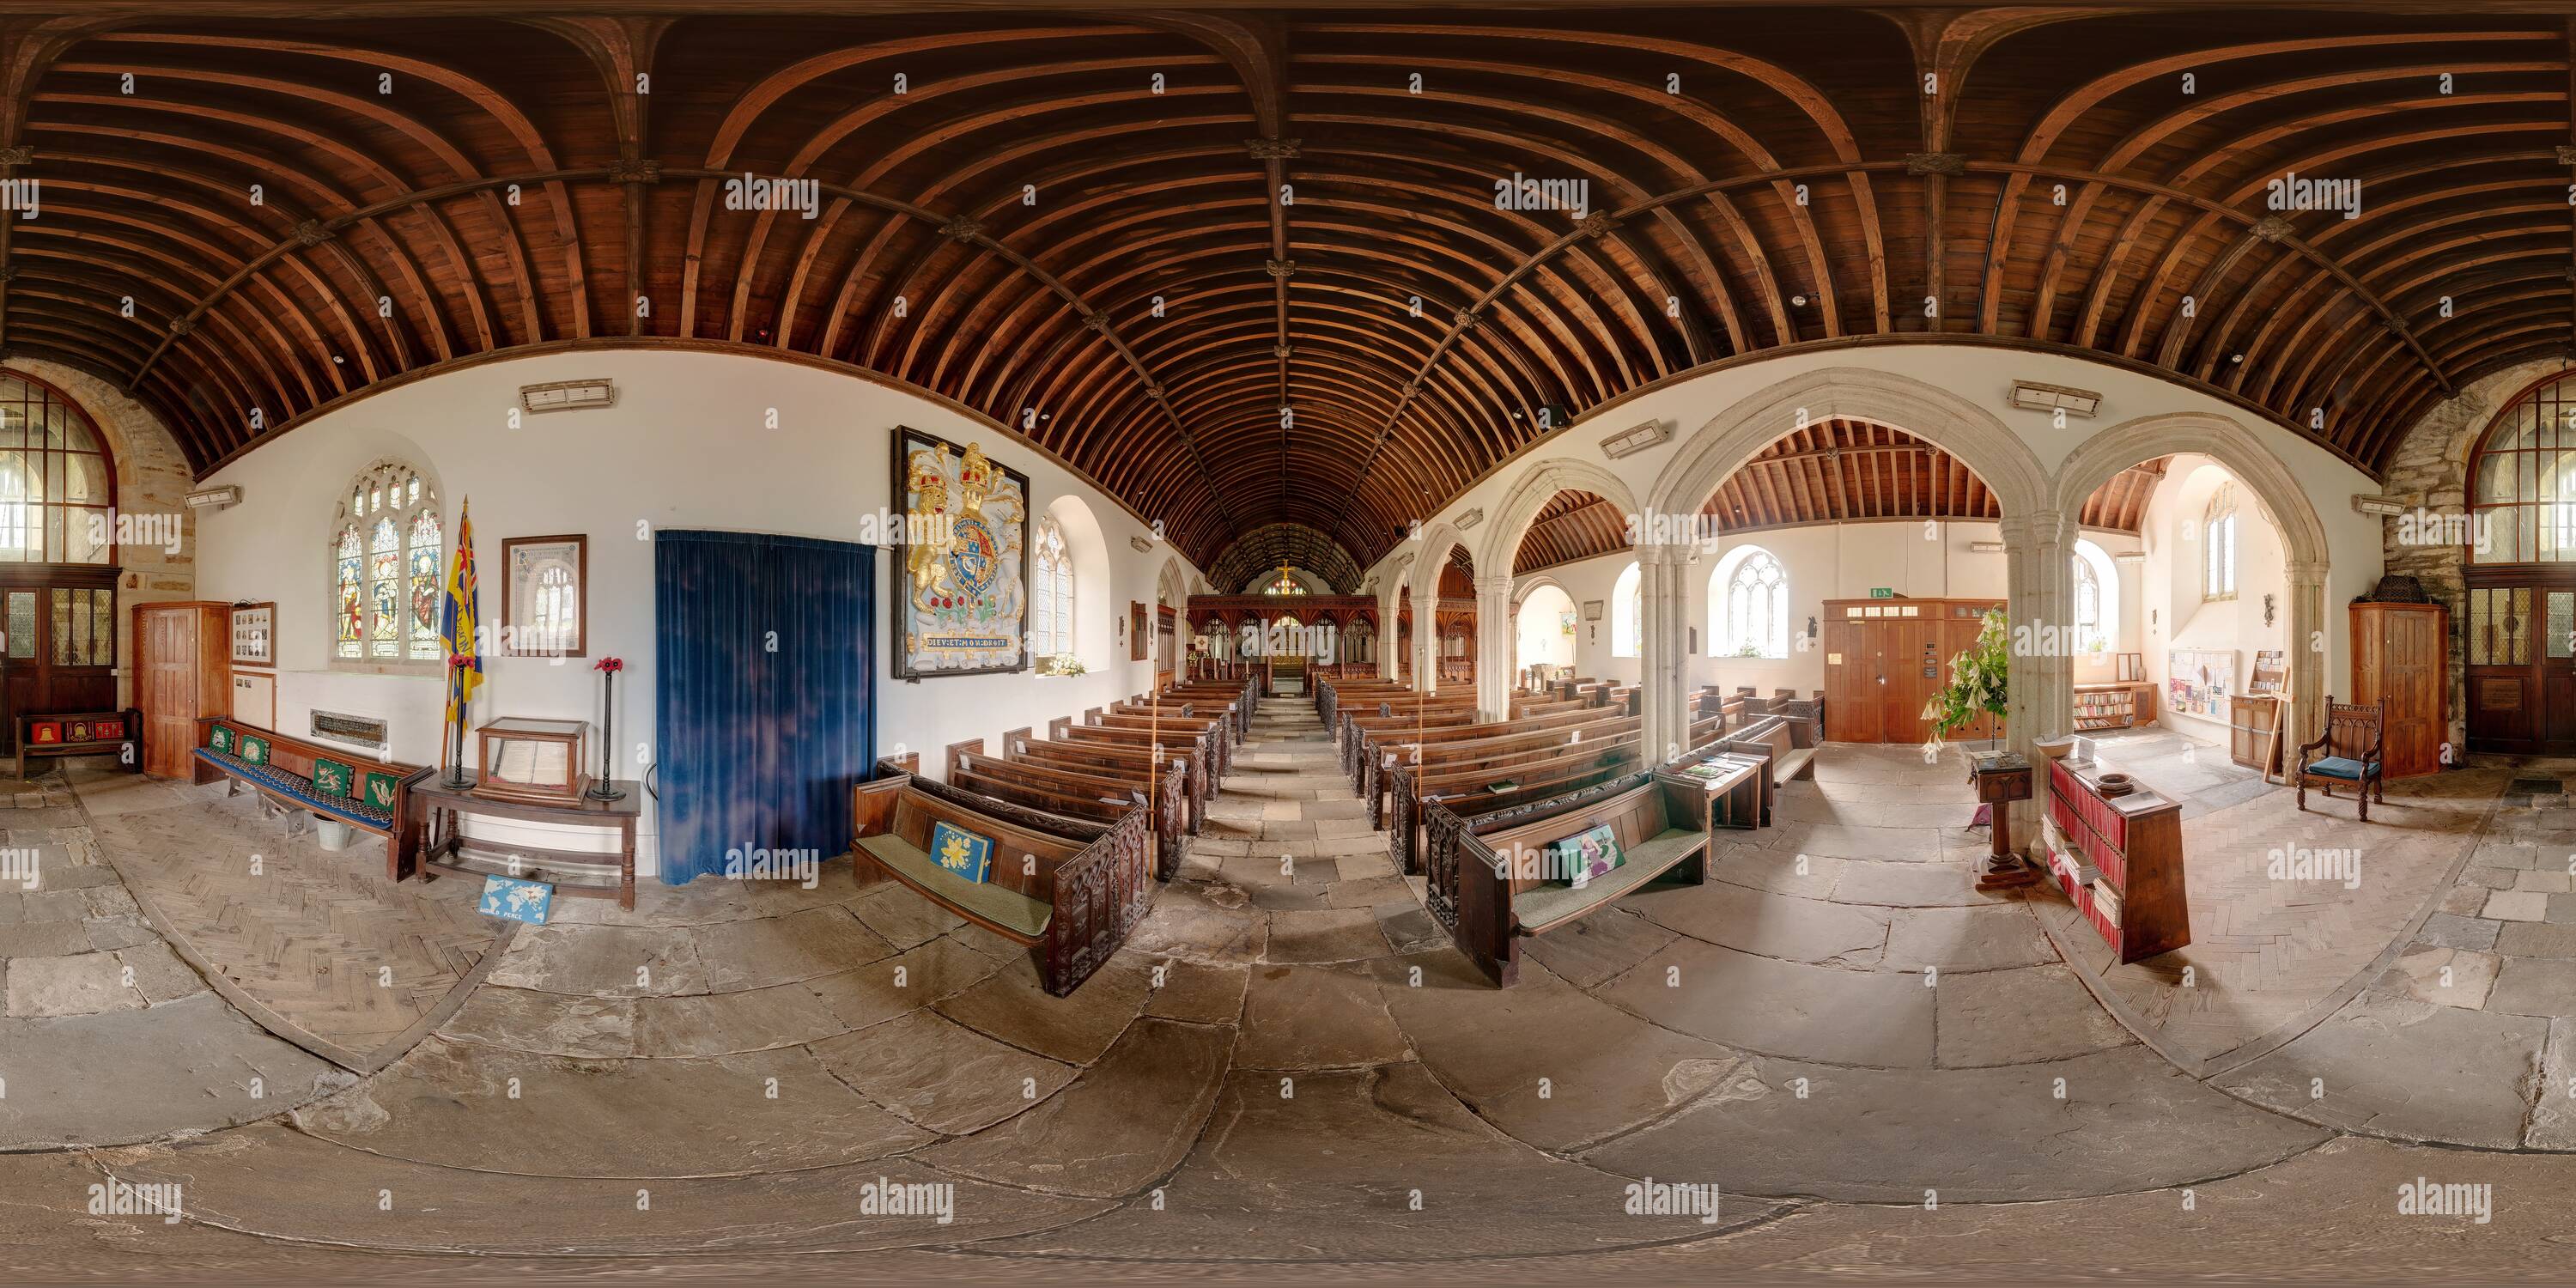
point(527, 902)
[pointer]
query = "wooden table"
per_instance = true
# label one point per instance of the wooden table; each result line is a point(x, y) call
point(1735, 795)
point(589, 874)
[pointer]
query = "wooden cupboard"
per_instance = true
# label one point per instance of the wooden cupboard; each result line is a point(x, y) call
point(182, 670)
point(2398, 653)
point(1885, 658)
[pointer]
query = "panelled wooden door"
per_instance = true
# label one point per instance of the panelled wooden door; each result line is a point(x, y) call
point(1884, 661)
point(2398, 654)
point(2522, 695)
point(181, 672)
point(1852, 670)
point(60, 641)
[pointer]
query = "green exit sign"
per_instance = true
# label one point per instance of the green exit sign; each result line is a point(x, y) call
point(1882, 592)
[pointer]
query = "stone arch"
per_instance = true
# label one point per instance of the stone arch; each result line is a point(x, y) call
point(1390, 603)
point(1437, 541)
point(2242, 453)
point(1537, 486)
point(2035, 537)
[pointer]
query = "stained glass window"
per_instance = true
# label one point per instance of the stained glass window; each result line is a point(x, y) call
point(388, 569)
point(1284, 584)
point(1052, 581)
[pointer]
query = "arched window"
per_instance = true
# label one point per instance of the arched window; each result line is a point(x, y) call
point(387, 570)
point(1625, 601)
point(57, 485)
point(2218, 545)
point(2088, 609)
point(1284, 584)
point(1051, 584)
point(1748, 602)
point(2523, 479)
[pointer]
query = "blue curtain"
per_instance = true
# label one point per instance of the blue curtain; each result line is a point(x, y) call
point(764, 693)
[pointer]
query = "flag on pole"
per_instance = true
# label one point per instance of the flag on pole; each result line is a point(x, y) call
point(456, 619)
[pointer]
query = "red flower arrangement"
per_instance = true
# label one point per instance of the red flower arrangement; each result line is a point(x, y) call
point(612, 665)
point(460, 659)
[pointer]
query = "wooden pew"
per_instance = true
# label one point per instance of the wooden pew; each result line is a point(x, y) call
point(1429, 748)
point(1102, 797)
point(1131, 765)
point(1490, 887)
point(1211, 732)
point(1367, 737)
point(1158, 748)
point(1458, 777)
point(285, 785)
point(1071, 901)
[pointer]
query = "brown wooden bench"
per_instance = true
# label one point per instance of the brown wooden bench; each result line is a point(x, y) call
point(1133, 765)
point(1150, 746)
point(1071, 900)
point(1490, 885)
point(1211, 732)
point(370, 795)
point(1464, 781)
point(1101, 795)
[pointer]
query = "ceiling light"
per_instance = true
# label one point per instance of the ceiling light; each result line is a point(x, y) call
point(2030, 395)
point(1629, 442)
point(568, 395)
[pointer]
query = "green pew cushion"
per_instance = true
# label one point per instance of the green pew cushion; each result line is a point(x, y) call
point(999, 905)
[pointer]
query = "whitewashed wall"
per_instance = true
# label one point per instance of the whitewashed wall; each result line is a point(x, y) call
point(1830, 562)
point(697, 440)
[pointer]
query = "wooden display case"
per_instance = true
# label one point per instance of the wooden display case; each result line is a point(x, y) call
point(533, 760)
point(2135, 841)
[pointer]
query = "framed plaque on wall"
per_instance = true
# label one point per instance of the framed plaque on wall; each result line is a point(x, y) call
point(254, 634)
point(545, 597)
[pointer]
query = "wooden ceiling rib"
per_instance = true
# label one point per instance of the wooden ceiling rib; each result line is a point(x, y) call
point(1263, 551)
point(1247, 272)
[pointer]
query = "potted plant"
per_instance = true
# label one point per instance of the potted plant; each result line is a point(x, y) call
point(1977, 682)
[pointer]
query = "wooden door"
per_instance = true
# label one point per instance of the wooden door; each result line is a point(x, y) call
point(61, 646)
point(1912, 663)
point(2397, 659)
point(1851, 681)
point(167, 685)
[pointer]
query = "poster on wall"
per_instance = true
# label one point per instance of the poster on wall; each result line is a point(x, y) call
point(960, 546)
point(2201, 681)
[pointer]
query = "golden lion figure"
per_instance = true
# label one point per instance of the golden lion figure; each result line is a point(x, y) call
point(927, 561)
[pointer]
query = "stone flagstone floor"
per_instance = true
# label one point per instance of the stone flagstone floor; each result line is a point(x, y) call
point(1288, 1067)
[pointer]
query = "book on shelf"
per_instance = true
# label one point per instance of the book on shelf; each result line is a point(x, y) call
point(2106, 900)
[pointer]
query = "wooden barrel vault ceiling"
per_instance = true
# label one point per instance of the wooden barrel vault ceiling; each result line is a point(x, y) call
point(1246, 268)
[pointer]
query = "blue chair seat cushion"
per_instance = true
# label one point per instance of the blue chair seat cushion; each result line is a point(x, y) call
point(299, 788)
point(2345, 768)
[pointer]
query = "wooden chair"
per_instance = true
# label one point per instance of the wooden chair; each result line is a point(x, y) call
point(2355, 744)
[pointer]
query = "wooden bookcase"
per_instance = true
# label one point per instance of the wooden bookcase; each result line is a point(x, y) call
point(2114, 706)
point(2136, 841)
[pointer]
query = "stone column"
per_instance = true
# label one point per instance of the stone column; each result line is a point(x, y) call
point(1663, 656)
point(1494, 631)
point(1426, 640)
point(2041, 586)
point(2310, 632)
